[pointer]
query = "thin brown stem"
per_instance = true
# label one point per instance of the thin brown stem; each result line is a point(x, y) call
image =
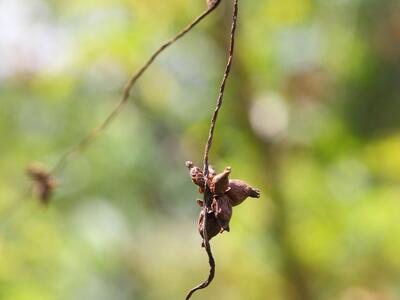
point(207, 194)
point(222, 89)
point(61, 163)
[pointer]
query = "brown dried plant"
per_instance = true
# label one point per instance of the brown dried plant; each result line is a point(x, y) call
point(43, 183)
point(209, 220)
point(232, 193)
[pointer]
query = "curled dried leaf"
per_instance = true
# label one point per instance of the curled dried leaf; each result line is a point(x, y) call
point(43, 183)
point(240, 190)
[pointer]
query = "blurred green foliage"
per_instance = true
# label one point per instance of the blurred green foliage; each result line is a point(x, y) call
point(311, 117)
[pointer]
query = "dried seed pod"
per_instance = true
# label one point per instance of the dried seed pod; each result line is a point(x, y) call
point(240, 190)
point(43, 183)
point(226, 193)
point(219, 184)
point(213, 227)
point(211, 3)
point(196, 175)
point(222, 209)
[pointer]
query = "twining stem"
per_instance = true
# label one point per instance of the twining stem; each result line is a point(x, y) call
point(207, 194)
point(61, 163)
point(221, 89)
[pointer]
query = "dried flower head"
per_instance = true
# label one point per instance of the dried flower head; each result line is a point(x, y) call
point(43, 184)
point(225, 194)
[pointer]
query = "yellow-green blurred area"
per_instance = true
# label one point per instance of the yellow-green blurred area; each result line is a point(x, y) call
point(311, 117)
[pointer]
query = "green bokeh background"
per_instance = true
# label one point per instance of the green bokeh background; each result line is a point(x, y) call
point(311, 117)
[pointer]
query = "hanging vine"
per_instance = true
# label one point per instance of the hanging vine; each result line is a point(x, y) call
point(220, 192)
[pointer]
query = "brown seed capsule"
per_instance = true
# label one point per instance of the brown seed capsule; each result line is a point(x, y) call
point(219, 184)
point(240, 190)
point(211, 3)
point(43, 183)
point(222, 209)
point(197, 174)
point(213, 227)
point(225, 194)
